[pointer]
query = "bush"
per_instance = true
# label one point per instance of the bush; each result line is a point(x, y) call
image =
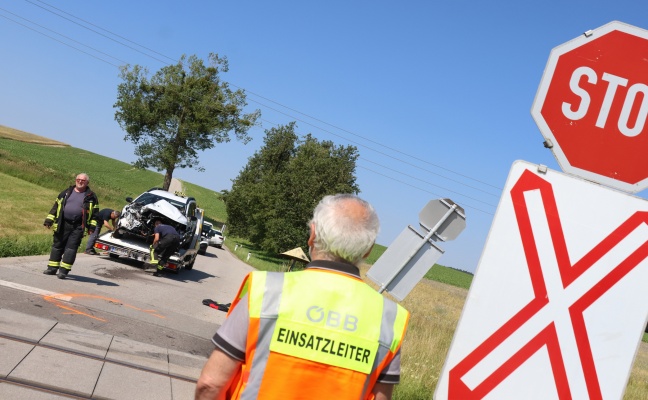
point(25, 245)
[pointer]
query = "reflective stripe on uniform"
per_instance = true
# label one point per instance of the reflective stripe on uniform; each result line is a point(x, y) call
point(93, 223)
point(59, 203)
point(386, 334)
point(402, 317)
point(152, 259)
point(266, 309)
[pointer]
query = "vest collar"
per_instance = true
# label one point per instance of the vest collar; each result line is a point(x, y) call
point(335, 266)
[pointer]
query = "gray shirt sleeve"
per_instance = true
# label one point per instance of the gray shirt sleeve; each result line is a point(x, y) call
point(231, 337)
point(391, 373)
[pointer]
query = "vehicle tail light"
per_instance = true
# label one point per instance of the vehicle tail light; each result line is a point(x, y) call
point(172, 266)
point(101, 246)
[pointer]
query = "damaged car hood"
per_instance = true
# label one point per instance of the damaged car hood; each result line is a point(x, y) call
point(165, 208)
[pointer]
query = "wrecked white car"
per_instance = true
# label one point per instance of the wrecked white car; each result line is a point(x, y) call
point(139, 216)
point(134, 232)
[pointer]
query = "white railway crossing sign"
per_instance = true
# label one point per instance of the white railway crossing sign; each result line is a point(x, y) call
point(559, 301)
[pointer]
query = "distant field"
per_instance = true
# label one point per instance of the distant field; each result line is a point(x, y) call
point(33, 174)
point(15, 134)
point(450, 276)
point(437, 273)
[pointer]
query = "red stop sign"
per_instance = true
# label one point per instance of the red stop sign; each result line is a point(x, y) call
point(592, 106)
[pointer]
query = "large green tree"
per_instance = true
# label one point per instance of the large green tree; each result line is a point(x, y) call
point(182, 109)
point(273, 197)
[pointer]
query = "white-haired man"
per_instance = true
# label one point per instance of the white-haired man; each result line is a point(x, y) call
point(320, 333)
point(74, 211)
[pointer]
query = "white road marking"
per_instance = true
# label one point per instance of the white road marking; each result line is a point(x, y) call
point(35, 290)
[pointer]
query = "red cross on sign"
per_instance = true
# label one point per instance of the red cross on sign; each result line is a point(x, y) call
point(558, 304)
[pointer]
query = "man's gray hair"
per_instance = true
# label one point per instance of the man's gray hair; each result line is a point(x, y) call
point(84, 174)
point(344, 232)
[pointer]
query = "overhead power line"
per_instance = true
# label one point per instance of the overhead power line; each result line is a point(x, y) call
point(265, 98)
point(367, 139)
point(92, 30)
point(418, 188)
point(105, 30)
point(365, 159)
point(379, 152)
point(426, 182)
point(393, 150)
point(60, 41)
point(56, 33)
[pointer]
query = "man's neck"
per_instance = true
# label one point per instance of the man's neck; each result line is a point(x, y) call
point(315, 255)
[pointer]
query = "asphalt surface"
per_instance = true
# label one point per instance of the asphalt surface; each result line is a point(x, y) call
point(110, 330)
point(46, 359)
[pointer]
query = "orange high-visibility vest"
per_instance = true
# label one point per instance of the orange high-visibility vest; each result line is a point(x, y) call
point(315, 334)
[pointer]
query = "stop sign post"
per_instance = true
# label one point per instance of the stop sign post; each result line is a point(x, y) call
point(592, 106)
point(412, 254)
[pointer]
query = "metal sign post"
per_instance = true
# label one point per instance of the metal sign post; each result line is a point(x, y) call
point(418, 248)
point(412, 254)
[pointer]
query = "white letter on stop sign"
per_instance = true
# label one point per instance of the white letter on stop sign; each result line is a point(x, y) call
point(613, 83)
point(627, 106)
point(580, 92)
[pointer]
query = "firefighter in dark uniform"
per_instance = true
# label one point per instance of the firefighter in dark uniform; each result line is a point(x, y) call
point(74, 211)
point(166, 241)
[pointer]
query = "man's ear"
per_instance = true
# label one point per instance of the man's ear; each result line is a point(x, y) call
point(311, 238)
point(369, 252)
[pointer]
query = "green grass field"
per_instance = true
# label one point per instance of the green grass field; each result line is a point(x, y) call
point(43, 171)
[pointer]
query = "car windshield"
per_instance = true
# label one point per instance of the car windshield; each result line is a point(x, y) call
point(150, 198)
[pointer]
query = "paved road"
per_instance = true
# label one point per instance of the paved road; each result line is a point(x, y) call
point(117, 297)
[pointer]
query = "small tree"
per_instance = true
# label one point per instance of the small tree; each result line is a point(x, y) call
point(254, 189)
point(273, 197)
point(181, 110)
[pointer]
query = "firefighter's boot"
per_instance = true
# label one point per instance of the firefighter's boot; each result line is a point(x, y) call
point(62, 273)
point(51, 271)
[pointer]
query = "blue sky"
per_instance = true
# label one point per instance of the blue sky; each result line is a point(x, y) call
point(435, 95)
